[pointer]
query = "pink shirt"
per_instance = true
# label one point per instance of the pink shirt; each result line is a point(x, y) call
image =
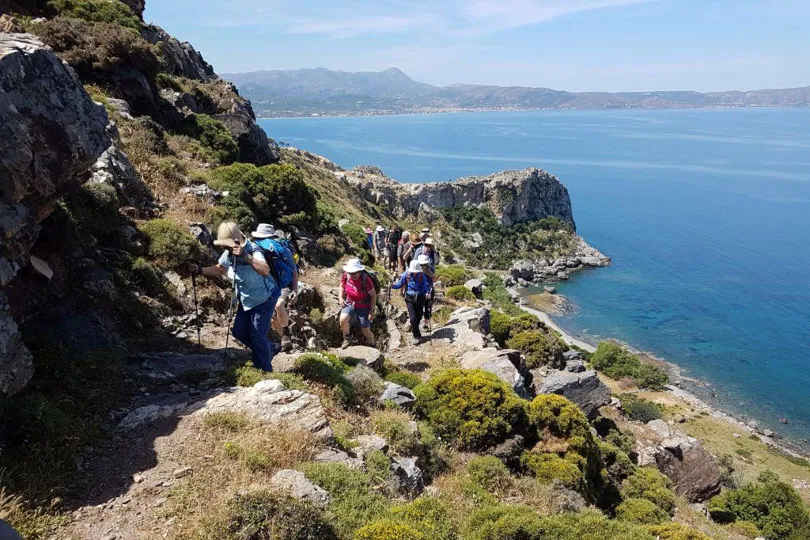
point(358, 291)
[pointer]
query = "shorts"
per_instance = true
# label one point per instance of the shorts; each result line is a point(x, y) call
point(358, 316)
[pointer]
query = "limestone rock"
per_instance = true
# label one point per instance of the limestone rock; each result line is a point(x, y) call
point(370, 443)
point(365, 356)
point(467, 325)
point(52, 133)
point(171, 365)
point(575, 366)
point(397, 394)
point(296, 485)
point(540, 270)
point(583, 389)
point(475, 286)
point(114, 168)
point(691, 468)
point(285, 362)
point(504, 363)
point(410, 476)
point(333, 455)
point(181, 58)
point(660, 427)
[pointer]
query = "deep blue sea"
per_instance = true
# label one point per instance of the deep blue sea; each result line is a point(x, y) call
point(705, 213)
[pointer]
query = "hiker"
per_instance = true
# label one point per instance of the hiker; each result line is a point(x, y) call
point(425, 233)
point(357, 297)
point(417, 285)
point(410, 250)
point(379, 243)
point(402, 245)
point(285, 272)
point(392, 243)
point(369, 238)
point(428, 249)
point(244, 263)
point(426, 262)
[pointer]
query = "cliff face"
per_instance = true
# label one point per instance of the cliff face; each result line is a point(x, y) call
point(513, 196)
point(52, 135)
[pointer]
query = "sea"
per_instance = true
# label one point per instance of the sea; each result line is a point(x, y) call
point(705, 213)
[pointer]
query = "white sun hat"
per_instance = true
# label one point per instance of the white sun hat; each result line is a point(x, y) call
point(354, 265)
point(380, 228)
point(423, 259)
point(264, 230)
point(415, 267)
point(429, 242)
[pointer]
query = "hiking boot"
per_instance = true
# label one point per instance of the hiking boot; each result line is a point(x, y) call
point(347, 342)
point(416, 341)
point(286, 343)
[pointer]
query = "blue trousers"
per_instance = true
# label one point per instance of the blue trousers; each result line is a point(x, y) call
point(251, 328)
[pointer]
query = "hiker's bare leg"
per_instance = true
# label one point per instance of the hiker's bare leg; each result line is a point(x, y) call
point(344, 323)
point(368, 335)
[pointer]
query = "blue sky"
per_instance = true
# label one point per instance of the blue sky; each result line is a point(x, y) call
point(578, 45)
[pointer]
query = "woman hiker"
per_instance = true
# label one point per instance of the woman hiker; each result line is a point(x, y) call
point(244, 264)
point(417, 285)
point(357, 298)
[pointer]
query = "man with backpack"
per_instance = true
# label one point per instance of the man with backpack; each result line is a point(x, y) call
point(358, 297)
point(409, 253)
point(244, 263)
point(417, 285)
point(402, 246)
point(380, 244)
point(393, 244)
point(285, 272)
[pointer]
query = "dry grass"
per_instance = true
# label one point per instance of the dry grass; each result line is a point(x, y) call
point(31, 523)
point(234, 454)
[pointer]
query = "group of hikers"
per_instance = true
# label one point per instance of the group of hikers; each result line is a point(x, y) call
point(264, 272)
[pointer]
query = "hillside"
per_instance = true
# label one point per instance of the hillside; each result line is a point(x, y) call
point(321, 91)
point(127, 413)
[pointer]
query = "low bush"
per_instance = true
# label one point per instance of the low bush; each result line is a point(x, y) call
point(429, 515)
point(640, 511)
point(169, 245)
point(472, 409)
point(93, 210)
point(395, 427)
point(676, 531)
point(453, 275)
point(461, 293)
point(264, 514)
point(647, 483)
point(772, 505)
point(617, 362)
point(616, 461)
point(590, 525)
point(320, 368)
point(404, 378)
point(388, 529)
point(146, 277)
point(102, 11)
point(30, 523)
point(247, 375)
point(640, 409)
point(366, 383)
point(504, 522)
point(215, 136)
point(489, 472)
point(550, 468)
point(540, 347)
point(495, 293)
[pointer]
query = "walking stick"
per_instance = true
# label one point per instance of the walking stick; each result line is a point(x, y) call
point(196, 308)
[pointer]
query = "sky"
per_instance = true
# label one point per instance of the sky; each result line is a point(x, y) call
point(575, 45)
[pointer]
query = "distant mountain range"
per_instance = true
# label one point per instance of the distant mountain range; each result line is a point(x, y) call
point(320, 91)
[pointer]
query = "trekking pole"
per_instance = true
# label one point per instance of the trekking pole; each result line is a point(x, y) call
point(196, 307)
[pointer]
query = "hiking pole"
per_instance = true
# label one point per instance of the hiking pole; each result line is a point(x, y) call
point(196, 307)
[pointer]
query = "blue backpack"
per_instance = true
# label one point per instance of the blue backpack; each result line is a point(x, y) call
point(280, 260)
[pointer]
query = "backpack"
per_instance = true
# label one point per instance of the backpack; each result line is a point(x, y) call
point(281, 262)
point(367, 274)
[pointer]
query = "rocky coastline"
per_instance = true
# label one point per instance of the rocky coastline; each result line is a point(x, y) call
point(526, 272)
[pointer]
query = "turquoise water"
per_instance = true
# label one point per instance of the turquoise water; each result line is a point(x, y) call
point(705, 213)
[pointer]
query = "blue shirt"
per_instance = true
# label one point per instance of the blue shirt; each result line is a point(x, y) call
point(433, 256)
point(252, 287)
point(417, 283)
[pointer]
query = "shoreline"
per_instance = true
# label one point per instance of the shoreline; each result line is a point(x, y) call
point(782, 444)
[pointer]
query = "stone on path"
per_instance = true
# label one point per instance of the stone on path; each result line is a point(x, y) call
point(285, 362)
point(397, 394)
point(504, 363)
point(333, 455)
point(583, 389)
point(365, 356)
point(410, 476)
point(296, 485)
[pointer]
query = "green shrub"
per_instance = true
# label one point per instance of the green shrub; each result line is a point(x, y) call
point(640, 409)
point(354, 504)
point(472, 409)
point(170, 245)
point(489, 472)
point(499, 326)
point(93, 209)
point(453, 275)
point(275, 194)
point(616, 461)
point(429, 515)
point(772, 505)
point(247, 375)
point(215, 136)
point(540, 347)
point(640, 511)
point(647, 483)
point(745, 529)
point(495, 293)
point(366, 383)
point(264, 514)
point(378, 467)
point(100, 11)
point(394, 427)
point(590, 525)
point(145, 276)
point(617, 362)
point(328, 371)
point(502, 522)
point(461, 293)
point(551, 468)
point(388, 529)
point(676, 531)
point(404, 378)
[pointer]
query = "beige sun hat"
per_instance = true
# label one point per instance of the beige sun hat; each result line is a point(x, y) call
point(264, 230)
point(353, 265)
point(429, 242)
point(229, 235)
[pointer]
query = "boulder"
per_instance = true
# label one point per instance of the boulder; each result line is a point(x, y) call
point(114, 168)
point(691, 468)
point(296, 485)
point(52, 133)
point(397, 394)
point(285, 362)
point(409, 475)
point(575, 366)
point(476, 286)
point(467, 325)
point(549, 289)
point(660, 427)
point(333, 455)
point(507, 364)
point(362, 355)
point(572, 354)
point(584, 389)
point(370, 443)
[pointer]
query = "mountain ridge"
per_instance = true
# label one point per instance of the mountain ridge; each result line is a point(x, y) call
point(321, 91)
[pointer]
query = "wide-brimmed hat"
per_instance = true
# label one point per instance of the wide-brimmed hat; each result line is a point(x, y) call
point(229, 235)
point(423, 259)
point(264, 230)
point(354, 265)
point(380, 228)
point(415, 239)
point(426, 230)
point(415, 267)
point(429, 241)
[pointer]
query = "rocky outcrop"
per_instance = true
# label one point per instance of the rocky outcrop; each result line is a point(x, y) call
point(237, 115)
point(513, 196)
point(525, 271)
point(584, 389)
point(507, 364)
point(137, 6)
point(397, 394)
point(114, 168)
point(295, 484)
point(52, 134)
point(180, 58)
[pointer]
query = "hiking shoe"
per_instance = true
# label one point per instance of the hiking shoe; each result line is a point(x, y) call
point(286, 343)
point(416, 341)
point(346, 343)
